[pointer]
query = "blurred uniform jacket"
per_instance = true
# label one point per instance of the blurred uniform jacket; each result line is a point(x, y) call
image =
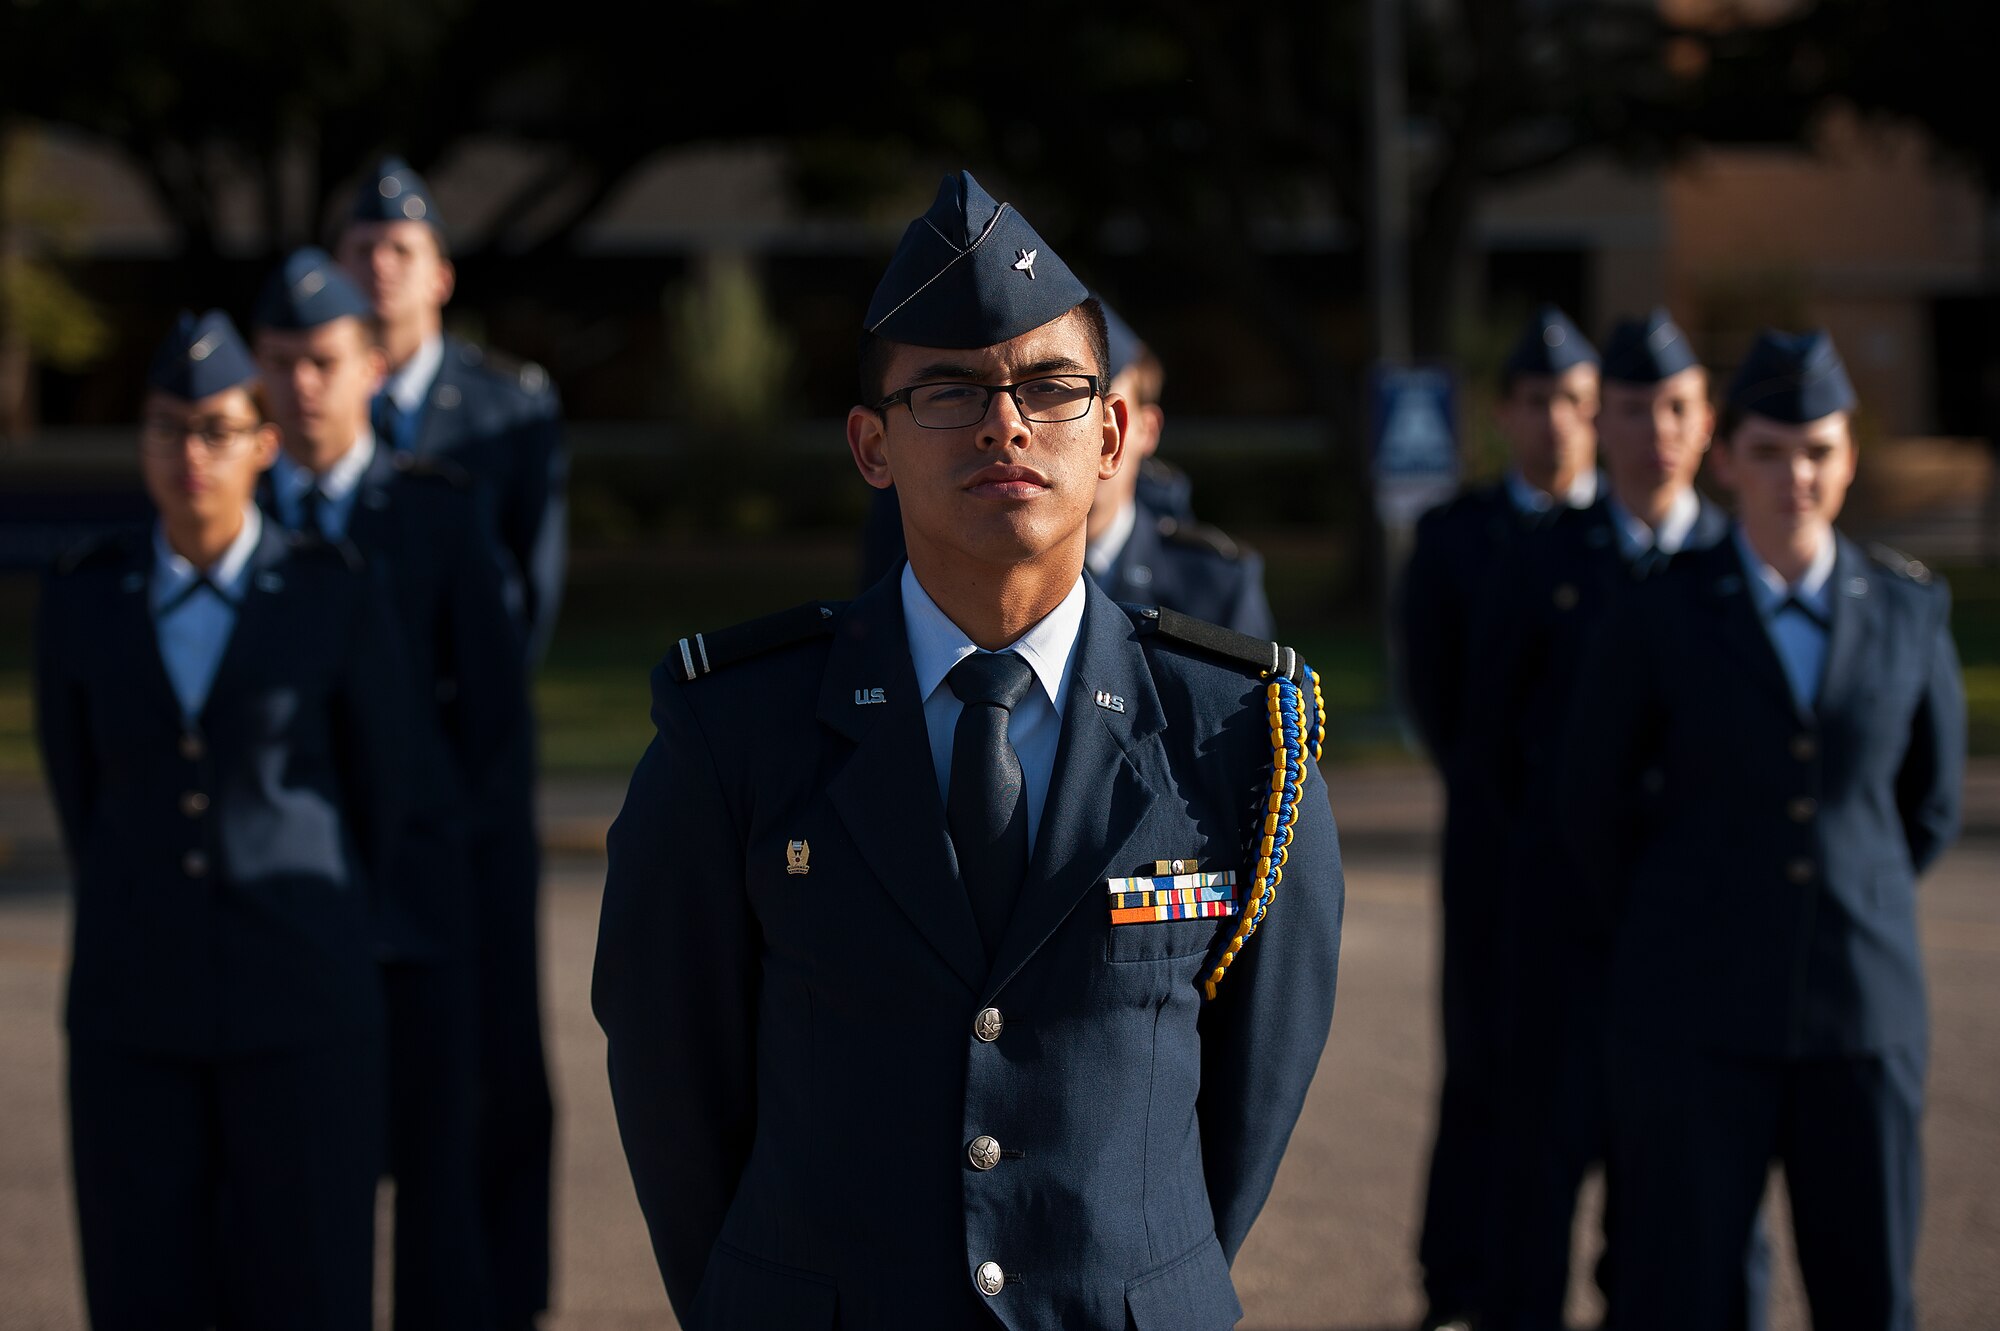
point(506, 431)
point(1188, 566)
point(416, 532)
point(804, 1054)
point(228, 867)
point(1767, 890)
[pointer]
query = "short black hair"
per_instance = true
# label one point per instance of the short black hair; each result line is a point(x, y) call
point(877, 350)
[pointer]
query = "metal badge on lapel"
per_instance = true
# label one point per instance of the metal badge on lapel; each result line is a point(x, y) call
point(867, 697)
point(798, 857)
point(270, 582)
point(1110, 702)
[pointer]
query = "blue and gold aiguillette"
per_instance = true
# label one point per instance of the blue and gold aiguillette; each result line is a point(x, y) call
point(1179, 892)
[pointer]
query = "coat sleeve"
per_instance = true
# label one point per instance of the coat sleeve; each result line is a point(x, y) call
point(1929, 782)
point(1611, 730)
point(481, 654)
point(1263, 1032)
point(675, 989)
point(535, 523)
point(1431, 633)
point(62, 723)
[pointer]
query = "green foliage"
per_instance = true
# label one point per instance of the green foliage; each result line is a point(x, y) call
point(730, 357)
point(52, 320)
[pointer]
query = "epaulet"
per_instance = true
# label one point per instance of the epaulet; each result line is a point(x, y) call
point(433, 468)
point(526, 375)
point(101, 550)
point(312, 545)
point(691, 658)
point(1200, 535)
point(1898, 563)
point(1266, 658)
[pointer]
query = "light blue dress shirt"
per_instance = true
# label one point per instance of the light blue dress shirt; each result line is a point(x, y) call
point(1635, 537)
point(1800, 643)
point(1035, 725)
point(1527, 499)
point(337, 485)
point(194, 634)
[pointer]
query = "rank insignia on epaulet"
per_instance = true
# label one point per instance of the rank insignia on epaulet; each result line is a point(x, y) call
point(691, 658)
point(1267, 658)
point(1895, 561)
point(1200, 535)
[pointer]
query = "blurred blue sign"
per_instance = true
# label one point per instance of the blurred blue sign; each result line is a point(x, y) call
point(1413, 428)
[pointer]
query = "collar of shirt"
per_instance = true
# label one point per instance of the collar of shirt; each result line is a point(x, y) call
point(172, 573)
point(1528, 499)
point(336, 484)
point(1769, 589)
point(408, 386)
point(1635, 537)
point(937, 644)
point(1103, 552)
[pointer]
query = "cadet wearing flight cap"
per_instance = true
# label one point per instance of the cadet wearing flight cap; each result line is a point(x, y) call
point(448, 400)
point(1145, 546)
point(1448, 629)
point(1553, 587)
point(222, 739)
point(413, 522)
point(951, 970)
point(1775, 1011)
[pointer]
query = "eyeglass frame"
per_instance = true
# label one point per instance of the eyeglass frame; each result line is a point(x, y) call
point(159, 436)
point(902, 395)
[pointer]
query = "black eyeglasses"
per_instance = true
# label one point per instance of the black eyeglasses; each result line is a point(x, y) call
point(164, 435)
point(953, 406)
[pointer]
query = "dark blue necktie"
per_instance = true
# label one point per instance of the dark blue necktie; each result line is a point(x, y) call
point(187, 593)
point(986, 807)
point(393, 426)
point(1649, 561)
point(1812, 616)
point(310, 505)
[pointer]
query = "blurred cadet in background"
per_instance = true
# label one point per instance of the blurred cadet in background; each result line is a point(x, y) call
point(413, 522)
point(224, 735)
point(1766, 751)
point(1551, 589)
point(1145, 547)
point(446, 399)
point(1547, 412)
point(948, 1080)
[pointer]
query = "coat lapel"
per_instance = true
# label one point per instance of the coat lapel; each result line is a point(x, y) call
point(886, 795)
point(240, 654)
point(368, 517)
point(1711, 524)
point(444, 405)
point(1098, 793)
point(1850, 603)
point(141, 633)
point(1734, 619)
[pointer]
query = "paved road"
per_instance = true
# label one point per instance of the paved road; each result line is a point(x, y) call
point(1333, 1250)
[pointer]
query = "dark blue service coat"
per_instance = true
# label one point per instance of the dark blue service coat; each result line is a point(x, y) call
point(801, 1060)
point(1193, 568)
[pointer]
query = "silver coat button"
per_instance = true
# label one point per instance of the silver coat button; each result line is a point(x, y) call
point(191, 747)
point(988, 1025)
point(194, 804)
point(194, 864)
point(1802, 809)
point(991, 1278)
point(984, 1152)
point(1800, 870)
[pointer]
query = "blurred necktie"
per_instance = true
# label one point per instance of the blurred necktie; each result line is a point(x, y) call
point(1793, 603)
point(986, 805)
point(393, 425)
point(311, 504)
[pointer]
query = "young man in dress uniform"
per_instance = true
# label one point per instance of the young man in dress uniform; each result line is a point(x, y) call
point(413, 523)
point(1552, 588)
point(1144, 545)
point(1548, 407)
point(223, 733)
point(446, 399)
point(1766, 753)
point(927, 960)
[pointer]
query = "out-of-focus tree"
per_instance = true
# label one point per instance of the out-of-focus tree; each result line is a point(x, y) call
point(43, 318)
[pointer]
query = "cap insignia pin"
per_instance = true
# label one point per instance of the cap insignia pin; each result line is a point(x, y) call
point(205, 348)
point(1024, 262)
point(798, 857)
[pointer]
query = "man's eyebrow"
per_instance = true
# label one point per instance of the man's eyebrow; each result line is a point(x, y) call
point(950, 370)
point(944, 370)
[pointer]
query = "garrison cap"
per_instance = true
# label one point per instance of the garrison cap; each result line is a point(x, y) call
point(308, 290)
point(970, 273)
point(1125, 345)
point(201, 357)
point(1792, 377)
point(393, 192)
point(1648, 350)
point(1549, 345)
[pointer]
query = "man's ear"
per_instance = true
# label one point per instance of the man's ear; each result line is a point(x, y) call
point(1117, 420)
point(867, 440)
point(447, 282)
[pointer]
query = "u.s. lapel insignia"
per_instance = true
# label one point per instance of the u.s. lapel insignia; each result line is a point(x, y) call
point(869, 697)
point(270, 582)
point(1110, 702)
point(1567, 596)
point(1024, 262)
point(1857, 586)
point(798, 857)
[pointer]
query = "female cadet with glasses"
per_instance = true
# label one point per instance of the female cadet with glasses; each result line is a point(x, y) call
point(216, 715)
point(1790, 706)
